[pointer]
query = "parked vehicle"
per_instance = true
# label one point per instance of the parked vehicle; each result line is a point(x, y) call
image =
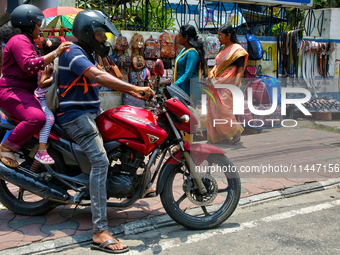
point(195, 186)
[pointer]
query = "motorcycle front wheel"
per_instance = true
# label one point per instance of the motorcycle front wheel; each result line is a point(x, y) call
point(184, 204)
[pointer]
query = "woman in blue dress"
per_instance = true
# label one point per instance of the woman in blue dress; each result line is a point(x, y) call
point(189, 63)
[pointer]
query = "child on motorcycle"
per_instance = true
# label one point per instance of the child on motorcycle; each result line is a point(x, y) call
point(49, 44)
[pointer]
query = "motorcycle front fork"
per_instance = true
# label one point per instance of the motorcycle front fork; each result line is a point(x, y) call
point(190, 163)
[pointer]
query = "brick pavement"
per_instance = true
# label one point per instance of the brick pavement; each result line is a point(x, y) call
point(282, 146)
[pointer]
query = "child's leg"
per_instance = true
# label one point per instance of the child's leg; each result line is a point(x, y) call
point(45, 131)
point(42, 155)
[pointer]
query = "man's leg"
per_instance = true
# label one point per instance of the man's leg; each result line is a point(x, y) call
point(84, 132)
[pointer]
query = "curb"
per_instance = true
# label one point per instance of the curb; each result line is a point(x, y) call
point(326, 125)
point(157, 222)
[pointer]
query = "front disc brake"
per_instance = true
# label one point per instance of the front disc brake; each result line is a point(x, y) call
point(202, 199)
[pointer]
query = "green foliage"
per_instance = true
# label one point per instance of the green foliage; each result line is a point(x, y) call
point(150, 14)
point(295, 18)
point(279, 28)
point(156, 15)
point(321, 4)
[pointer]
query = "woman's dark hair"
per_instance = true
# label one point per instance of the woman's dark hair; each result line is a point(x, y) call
point(228, 29)
point(50, 44)
point(190, 32)
point(6, 32)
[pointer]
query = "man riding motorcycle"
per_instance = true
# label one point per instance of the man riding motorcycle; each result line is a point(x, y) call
point(79, 105)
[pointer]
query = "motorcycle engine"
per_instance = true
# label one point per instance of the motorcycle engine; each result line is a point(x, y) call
point(122, 179)
point(118, 184)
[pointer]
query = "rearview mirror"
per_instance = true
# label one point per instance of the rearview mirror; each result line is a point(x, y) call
point(159, 68)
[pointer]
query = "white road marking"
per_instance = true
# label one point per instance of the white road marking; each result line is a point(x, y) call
point(246, 225)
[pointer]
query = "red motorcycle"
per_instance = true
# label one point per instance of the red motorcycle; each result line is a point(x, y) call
point(198, 185)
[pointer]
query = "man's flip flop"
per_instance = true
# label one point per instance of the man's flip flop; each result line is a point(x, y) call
point(102, 247)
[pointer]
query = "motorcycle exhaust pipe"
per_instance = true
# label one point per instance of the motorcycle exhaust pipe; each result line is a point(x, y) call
point(28, 180)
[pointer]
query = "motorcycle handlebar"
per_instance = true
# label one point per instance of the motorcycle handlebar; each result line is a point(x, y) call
point(142, 93)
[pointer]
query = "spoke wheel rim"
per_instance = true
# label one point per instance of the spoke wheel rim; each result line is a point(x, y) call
point(201, 213)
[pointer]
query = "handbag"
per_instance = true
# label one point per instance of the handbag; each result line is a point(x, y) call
point(114, 56)
point(51, 93)
point(110, 67)
point(124, 61)
point(250, 72)
point(138, 62)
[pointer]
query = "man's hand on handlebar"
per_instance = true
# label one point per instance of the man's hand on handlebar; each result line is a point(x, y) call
point(144, 92)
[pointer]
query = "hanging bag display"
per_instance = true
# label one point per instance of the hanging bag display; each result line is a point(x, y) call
point(152, 49)
point(136, 78)
point(150, 64)
point(125, 75)
point(124, 61)
point(212, 46)
point(113, 55)
point(167, 42)
point(167, 78)
point(112, 68)
point(122, 43)
point(137, 41)
point(254, 48)
point(138, 62)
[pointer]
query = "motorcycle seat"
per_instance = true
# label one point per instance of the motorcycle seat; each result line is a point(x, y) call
point(61, 131)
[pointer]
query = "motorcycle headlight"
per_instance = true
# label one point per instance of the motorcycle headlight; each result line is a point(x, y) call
point(194, 112)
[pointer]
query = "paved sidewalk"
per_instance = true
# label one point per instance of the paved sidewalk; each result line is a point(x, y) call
point(286, 147)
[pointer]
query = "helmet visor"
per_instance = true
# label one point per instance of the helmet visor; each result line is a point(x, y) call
point(40, 17)
point(111, 28)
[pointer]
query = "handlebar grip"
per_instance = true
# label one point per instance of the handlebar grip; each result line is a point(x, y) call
point(142, 93)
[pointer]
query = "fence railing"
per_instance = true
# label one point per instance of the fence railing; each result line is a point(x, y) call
point(314, 21)
point(158, 15)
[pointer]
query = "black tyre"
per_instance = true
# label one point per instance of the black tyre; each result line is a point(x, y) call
point(19, 200)
point(189, 208)
point(23, 202)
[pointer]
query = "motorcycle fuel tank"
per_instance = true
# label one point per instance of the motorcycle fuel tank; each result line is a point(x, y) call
point(134, 127)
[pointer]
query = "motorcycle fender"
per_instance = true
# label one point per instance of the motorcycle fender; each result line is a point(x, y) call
point(198, 152)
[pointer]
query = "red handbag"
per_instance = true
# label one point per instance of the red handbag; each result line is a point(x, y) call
point(250, 72)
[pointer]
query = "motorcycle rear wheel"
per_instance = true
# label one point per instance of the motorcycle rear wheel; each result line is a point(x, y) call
point(23, 202)
point(225, 185)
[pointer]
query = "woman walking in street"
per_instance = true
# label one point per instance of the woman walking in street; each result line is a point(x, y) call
point(189, 63)
point(230, 65)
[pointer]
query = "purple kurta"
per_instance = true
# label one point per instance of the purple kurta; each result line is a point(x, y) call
point(20, 66)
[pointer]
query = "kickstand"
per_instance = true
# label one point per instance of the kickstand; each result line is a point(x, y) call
point(75, 208)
